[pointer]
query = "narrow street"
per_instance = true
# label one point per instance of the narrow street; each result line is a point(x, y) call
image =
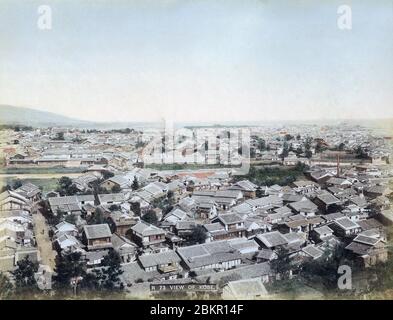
point(44, 244)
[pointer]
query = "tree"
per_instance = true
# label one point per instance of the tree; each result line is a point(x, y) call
point(384, 275)
point(341, 146)
point(307, 144)
point(324, 269)
point(150, 217)
point(136, 208)
point(72, 190)
point(285, 150)
point(109, 275)
point(281, 266)
point(259, 192)
point(198, 235)
point(252, 152)
point(17, 184)
point(261, 144)
point(66, 187)
point(107, 175)
point(361, 153)
point(98, 217)
point(116, 188)
point(114, 207)
point(135, 184)
point(6, 287)
point(68, 266)
point(59, 136)
point(170, 195)
point(24, 274)
point(308, 154)
point(319, 147)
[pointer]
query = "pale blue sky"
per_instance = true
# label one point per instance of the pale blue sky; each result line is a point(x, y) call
point(196, 60)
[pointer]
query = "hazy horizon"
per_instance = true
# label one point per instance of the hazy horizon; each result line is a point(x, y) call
point(118, 124)
point(197, 61)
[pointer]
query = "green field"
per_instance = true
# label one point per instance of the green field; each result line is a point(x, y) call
point(187, 166)
point(39, 170)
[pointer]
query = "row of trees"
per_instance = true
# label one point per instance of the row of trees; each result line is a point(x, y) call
point(24, 284)
point(71, 276)
point(269, 176)
point(320, 273)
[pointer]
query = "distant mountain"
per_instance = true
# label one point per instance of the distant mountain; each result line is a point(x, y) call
point(11, 115)
point(25, 116)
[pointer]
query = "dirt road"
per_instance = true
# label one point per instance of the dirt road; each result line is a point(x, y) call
point(44, 244)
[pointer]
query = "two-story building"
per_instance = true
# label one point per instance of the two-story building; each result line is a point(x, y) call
point(147, 235)
point(97, 236)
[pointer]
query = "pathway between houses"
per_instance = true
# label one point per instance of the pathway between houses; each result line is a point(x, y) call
point(44, 244)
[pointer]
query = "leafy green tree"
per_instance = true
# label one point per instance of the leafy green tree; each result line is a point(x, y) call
point(285, 150)
point(65, 182)
point(109, 275)
point(59, 136)
point(170, 195)
point(320, 147)
point(341, 146)
point(24, 275)
point(136, 208)
point(107, 175)
point(307, 144)
point(114, 207)
point(135, 184)
point(198, 235)
point(150, 217)
point(324, 270)
point(361, 153)
point(66, 187)
point(259, 192)
point(116, 188)
point(72, 190)
point(98, 217)
point(384, 275)
point(281, 266)
point(16, 184)
point(68, 266)
point(261, 144)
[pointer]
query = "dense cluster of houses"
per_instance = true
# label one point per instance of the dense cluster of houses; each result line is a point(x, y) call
point(17, 238)
point(48, 147)
point(241, 225)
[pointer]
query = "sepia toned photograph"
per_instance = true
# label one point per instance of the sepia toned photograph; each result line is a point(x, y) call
point(196, 150)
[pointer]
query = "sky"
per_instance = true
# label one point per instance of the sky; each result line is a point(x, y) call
point(198, 60)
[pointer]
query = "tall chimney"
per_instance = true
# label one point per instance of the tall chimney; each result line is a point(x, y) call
point(338, 165)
